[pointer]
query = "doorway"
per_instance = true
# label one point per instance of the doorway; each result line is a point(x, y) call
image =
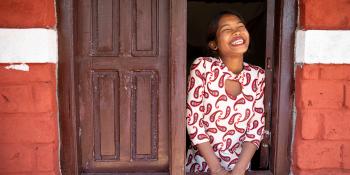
point(255, 16)
point(91, 67)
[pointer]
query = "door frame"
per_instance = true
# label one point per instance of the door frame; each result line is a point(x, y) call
point(283, 86)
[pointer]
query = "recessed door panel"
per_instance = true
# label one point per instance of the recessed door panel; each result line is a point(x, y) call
point(145, 25)
point(106, 115)
point(105, 27)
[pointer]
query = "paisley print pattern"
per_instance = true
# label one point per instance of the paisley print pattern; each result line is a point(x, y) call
point(222, 120)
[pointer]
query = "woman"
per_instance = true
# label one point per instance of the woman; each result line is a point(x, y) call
point(225, 105)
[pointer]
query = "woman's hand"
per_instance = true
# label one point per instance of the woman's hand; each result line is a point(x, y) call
point(213, 162)
point(221, 171)
point(248, 150)
point(237, 171)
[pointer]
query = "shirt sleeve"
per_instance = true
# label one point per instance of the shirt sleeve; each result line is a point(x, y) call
point(256, 124)
point(194, 105)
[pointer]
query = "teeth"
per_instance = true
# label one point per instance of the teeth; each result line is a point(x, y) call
point(236, 42)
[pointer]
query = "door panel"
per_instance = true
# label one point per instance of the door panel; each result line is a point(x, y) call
point(144, 123)
point(105, 27)
point(123, 97)
point(145, 25)
point(106, 115)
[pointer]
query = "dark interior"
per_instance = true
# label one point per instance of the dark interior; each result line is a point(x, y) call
point(199, 15)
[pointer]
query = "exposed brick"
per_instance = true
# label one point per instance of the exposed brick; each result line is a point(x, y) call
point(318, 154)
point(24, 13)
point(29, 115)
point(308, 72)
point(346, 155)
point(44, 96)
point(37, 72)
point(313, 16)
point(34, 173)
point(47, 157)
point(16, 158)
point(28, 130)
point(298, 90)
point(16, 99)
point(347, 95)
point(37, 97)
point(323, 172)
point(312, 122)
point(335, 72)
point(336, 125)
point(320, 94)
point(47, 173)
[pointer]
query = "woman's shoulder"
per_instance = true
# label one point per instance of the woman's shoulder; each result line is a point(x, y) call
point(257, 70)
point(204, 62)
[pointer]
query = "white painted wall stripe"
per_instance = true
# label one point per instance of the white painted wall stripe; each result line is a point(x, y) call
point(28, 45)
point(40, 46)
point(322, 46)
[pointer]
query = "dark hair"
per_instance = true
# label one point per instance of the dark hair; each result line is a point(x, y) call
point(214, 24)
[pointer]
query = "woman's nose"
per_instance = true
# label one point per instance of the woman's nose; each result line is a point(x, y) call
point(236, 32)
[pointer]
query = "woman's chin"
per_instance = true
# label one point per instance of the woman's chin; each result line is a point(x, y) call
point(239, 49)
point(238, 52)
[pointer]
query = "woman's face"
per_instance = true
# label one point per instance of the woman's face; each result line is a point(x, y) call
point(232, 38)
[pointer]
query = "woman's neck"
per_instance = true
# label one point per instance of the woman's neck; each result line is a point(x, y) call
point(234, 64)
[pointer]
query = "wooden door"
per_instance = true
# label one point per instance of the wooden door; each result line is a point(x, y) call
point(121, 61)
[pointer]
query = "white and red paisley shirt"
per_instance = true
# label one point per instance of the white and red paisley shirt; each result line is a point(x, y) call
point(223, 120)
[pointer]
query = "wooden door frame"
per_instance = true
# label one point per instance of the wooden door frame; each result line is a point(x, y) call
point(283, 86)
point(285, 25)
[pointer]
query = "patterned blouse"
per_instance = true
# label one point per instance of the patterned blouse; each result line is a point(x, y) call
point(215, 116)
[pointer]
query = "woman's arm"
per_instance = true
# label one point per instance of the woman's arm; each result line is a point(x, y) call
point(194, 116)
point(248, 150)
point(255, 130)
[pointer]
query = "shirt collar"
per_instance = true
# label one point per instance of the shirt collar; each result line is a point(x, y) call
point(241, 77)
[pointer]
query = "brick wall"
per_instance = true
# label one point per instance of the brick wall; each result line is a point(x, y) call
point(324, 14)
point(322, 132)
point(322, 138)
point(25, 14)
point(28, 106)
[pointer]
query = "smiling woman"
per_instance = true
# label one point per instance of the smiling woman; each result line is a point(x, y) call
point(228, 32)
point(225, 137)
point(228, 37)
point(254, 13)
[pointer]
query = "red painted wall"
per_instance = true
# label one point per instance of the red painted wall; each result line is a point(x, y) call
point(28, 120)
point(28, 103)
point(325, 14)
point(27, 13)
point(322, 133)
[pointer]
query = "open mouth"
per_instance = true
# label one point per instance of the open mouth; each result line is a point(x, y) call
point(237, 41)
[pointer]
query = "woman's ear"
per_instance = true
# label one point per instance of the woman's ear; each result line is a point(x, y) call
point(212, 45)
